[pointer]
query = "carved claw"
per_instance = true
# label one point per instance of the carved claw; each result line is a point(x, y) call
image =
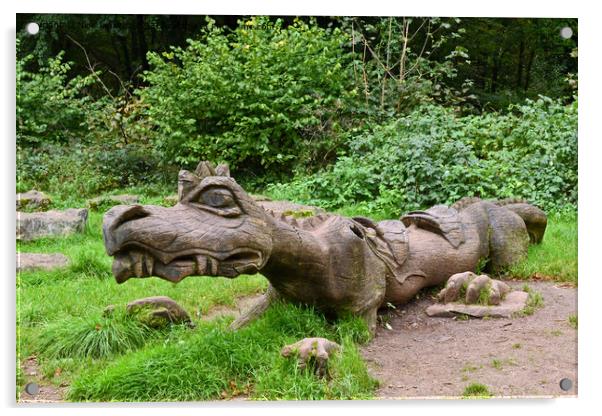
point(470, 288)
point(308, 348)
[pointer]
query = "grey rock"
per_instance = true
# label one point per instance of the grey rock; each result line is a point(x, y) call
point(111, 200)
point(289, 208)
point(108, 311)
point(31, 226)
point(33, 200)
point(160, 310)
point(513, 302)
point(47, 261)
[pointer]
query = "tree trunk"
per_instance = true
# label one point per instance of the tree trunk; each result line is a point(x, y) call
point(142, 47)
point(528, 71)
point(519, 69)
point(126, 55)
point(497, 62)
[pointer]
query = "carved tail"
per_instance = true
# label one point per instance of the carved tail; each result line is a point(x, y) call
point(535, 219)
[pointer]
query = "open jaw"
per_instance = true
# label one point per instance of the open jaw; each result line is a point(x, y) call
point(136, 261)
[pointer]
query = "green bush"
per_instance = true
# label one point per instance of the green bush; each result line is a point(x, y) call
point(51, 105)
point(433, 156)
point(84, 170)
point(261, 96)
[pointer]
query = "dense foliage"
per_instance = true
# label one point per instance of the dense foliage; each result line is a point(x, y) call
point(433, 156)
point(261, 95)
point(51, 107)
point(377, 112)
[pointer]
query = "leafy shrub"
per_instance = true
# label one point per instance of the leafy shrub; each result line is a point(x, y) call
point(260, 96)
point(84, 170)
point(432, 156)
point(51, 105)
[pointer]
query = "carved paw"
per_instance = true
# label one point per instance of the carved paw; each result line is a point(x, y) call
point(315, 350)
point(469, 288)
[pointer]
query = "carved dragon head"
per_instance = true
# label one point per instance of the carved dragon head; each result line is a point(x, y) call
point(215, 229)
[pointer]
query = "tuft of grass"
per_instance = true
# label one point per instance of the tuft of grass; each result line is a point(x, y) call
point(556, 257)
point(534, 301)
point(214, 362)
point(484, 296)
point(476, 390)
point(481, 265)
point(497, 364)
point(573, 321)
point(516, 346)
point(469, 368)
point(93, 336)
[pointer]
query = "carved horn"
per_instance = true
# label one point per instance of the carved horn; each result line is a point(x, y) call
point(222, 170)
point(204, 169)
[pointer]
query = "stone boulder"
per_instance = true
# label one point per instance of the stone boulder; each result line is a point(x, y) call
point(158, 311)
point(46, 261)
point(31, 226)
point(107, 201)
point(513, 303)
point(290, 208)
point(33, 201)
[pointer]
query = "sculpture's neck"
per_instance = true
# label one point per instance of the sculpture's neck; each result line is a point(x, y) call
point(298, 257)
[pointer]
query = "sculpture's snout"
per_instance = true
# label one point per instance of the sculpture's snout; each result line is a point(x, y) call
point(116, 217)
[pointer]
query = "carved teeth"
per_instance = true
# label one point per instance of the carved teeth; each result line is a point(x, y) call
point(201, 265)
point(137, 263)
point(213, 265)
point(149, 262)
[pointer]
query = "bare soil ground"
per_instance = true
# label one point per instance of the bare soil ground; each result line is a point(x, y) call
point(438, 357)
point(48, 393)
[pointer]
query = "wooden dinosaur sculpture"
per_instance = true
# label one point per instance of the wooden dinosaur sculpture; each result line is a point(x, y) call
point(339, 264)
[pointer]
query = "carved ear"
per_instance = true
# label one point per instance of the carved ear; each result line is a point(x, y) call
point(204, 169)
point(222, 170)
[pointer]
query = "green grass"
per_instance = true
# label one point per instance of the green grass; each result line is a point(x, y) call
point(573, 321)
point(534, 301)
point(213, 362)
point(476, 390)
point(94, 336)
point(556, 257)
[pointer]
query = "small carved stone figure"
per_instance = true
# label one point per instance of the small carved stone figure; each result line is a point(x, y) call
point(338, 264)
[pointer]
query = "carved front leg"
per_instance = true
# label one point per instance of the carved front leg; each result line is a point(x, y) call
point(256, 310)
point(469, 288)
point(308, 349)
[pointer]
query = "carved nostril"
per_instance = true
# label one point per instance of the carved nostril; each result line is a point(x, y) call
point(129, 213)
point(356, 231)
point(116, 217)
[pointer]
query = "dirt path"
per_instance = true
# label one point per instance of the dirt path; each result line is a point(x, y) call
point(527, 356)
point(47, 392)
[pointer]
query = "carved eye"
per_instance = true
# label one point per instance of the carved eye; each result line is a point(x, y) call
point(218, 198)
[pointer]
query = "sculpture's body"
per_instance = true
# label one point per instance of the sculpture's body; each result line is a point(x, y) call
point(339, 264)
